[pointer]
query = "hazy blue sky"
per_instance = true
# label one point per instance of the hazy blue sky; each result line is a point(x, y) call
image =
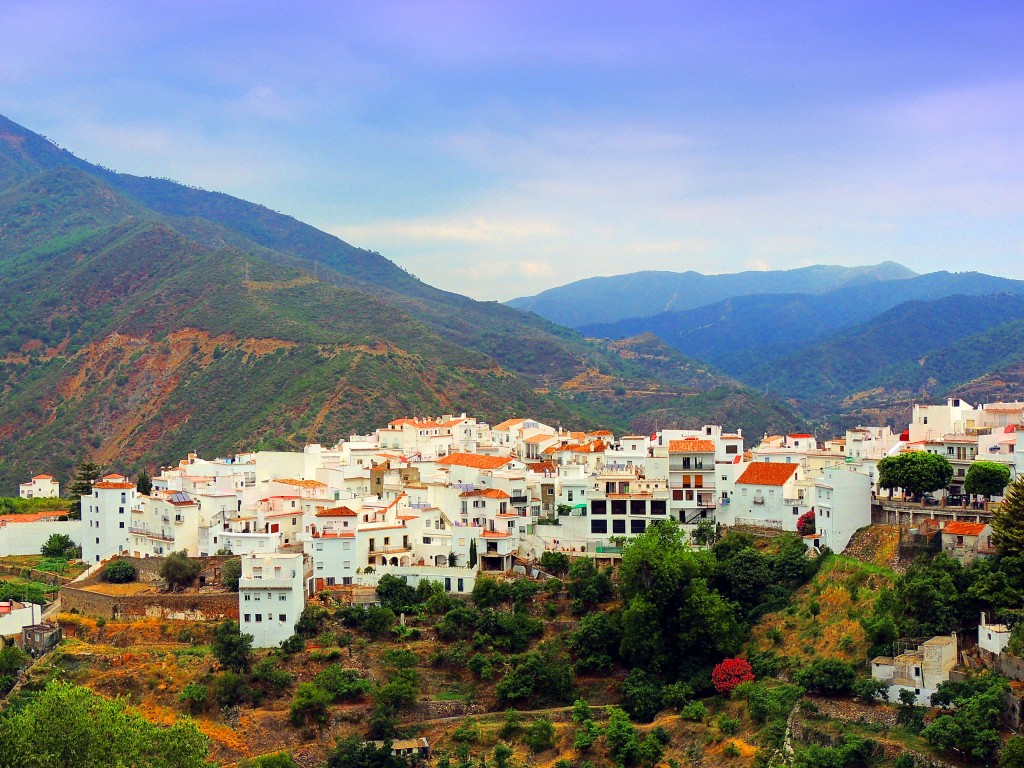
point(498, 149)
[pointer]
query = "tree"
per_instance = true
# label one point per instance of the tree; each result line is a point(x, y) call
point(642, 696)
point(1008, 521)
point(730, 673)
point(343, 684)
point(986, 478)
point(144, 483)
point(502, 754)
point(179, 571)
point(395, 593)
point(69, 725)
point(230, 647)
point(1012, 755)
point(119, 572)
point(472, 553)
point(805, 524)
point(704, 534)
point(621, 737)
point(230, 573)
point(59, 545)
point(354, 752)
point(556, 563)
point(85, 476)
point(828, 676)
point(311, 702)
point(914, 471)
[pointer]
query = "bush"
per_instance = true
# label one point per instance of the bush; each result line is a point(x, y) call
point(641, 696)
point(556, 563)
point(342, 684)
point(230, 689)
point(728, 725)
point(294, 644)
point(828, 676)
point(695, 711)
point(868, 689)
point(267, 673)
point(311, 702)
point(540, 735)
point(230, 573)
point(194, 696)
point(119, 572)
point(512, 725)
point(230, 647)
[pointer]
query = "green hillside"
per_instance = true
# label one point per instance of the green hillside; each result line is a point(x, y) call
point(145, 319)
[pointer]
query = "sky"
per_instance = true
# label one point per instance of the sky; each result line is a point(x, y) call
point(498, 149)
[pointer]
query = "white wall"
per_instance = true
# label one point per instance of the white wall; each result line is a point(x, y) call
point(11, 623)
point(842, 505)
point(28, 538)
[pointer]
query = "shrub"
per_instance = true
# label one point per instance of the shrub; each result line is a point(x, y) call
point(641, 696)
point(828, 676)
point(230, 573)
point(512, 725)
point(267, 673)
point(730, 673)
point(695, 711)
point(342, 684)
point(230, 689)
point(194, 696)
point(230, 647)
point(311, 702)
point(728, 725)
point(59, 545)
point(540, 735)
point(294, 644)
point(179, 571)
point(556, 563)
point(468, 731)
point(869, 689)
point(119, 572)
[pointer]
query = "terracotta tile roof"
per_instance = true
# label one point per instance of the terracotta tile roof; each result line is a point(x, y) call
point(474, 460)
point(301, 483)
point(691, 445)
point(543, 466)
point(109, 485)
point(494, 535)
point(551, 449)
point(800, 435)
point(960, 528)
point(601, 433)
point(597, 446)
point(508, 424)
point(490, 493)
point(767, 473)
point(335, 535)
point(732, 437)
point(337, 512)
point(537, 439)
point(32, 517)
point(42, 477)
point(114, 477)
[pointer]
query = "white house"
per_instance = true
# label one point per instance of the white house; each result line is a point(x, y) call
point(14, 616)
point(106, 517)
point(767, 495)
point(26, 534)
point(842, 504)
point(40, 487)
point(919, 671)
point(992, 638)
point(272, 592)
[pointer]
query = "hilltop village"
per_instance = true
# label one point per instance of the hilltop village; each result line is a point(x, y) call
point(453, 506)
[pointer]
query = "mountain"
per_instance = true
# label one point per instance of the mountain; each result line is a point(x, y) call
point(918, 351)
point(144, 318)
point(739, 335)
point(642, 294)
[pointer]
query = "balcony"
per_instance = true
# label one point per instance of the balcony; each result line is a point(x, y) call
point(150, 534)
point(519, 500)
point(255, 583)
point(394, 550)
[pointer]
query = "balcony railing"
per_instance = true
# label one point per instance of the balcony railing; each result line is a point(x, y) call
point(150, 534)
point(389, 550)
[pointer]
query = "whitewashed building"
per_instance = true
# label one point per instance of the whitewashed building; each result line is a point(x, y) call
point(40, 487)
point(272, 593)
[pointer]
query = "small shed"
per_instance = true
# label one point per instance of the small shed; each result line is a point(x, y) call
point(37, 639)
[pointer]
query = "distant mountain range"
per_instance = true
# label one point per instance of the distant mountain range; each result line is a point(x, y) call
point(642, 294)
point(144, 318)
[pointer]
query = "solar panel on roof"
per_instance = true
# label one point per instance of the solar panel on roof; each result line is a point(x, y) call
point(181, 497)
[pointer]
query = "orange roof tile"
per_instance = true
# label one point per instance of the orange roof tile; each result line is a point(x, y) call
point(301, 483)
point(508, 423)
point(691, 445)
point(109, 485)
point(114, 477)
point(960, 528)
point(494, 535)
point(474, 460)
point(800, 435)
point(537, 439)
point(543, 466)
point(32, 517)
point(490, 493)
point(42, 477)
point(337, 512)
point(767, 473)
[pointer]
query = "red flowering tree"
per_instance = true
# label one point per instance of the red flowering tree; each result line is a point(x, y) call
point(805, 524)
point(731, 673)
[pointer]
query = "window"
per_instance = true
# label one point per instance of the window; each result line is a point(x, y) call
point(346, 564)
point(618, 526)
point(282, 618)
point(796, 510)
point(259, 617)
point(426, 539)
point(731, 449)
point(569, 495)
point(637, 526)
point(248, 617)
point(461, 588)
point(599, 526)
point(121, 524)
point(247, 596)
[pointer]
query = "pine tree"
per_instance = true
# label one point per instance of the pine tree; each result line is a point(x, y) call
point(86, 474)
point(1008, 520)
point(472, 553)
point(144, 484)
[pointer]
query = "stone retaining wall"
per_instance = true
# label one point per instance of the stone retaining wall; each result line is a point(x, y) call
point(182, 606)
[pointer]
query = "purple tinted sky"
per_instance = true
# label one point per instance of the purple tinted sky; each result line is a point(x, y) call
point(497, 149)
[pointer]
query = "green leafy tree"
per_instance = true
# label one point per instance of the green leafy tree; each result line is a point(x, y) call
point(276, 760)
point(1008, 521)
point(395, 594)
point(502, 754)
point(354, 752)
point(179, 571)
point(68, 725)
point(144, 483)
point(986, 478)
point(119, 572)
point(194, 696)
point(914, 471)
point(622, 738)
point(828, 676)
point(705, 533)
point(230, 647)
point(343, 684)
point(86, 476)
point(556, 563)
point(1012, 755)
point(311, 703)
point(231, 573)
point(642, 696)
point(59, 545)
